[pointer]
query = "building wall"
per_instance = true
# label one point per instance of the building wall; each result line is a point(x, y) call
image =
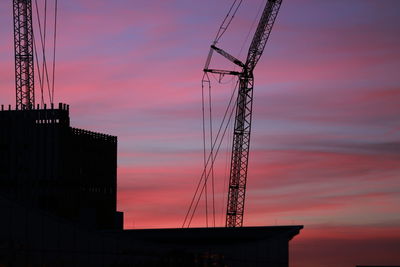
point(30, 237)
point(94, 163)
point(48, 164)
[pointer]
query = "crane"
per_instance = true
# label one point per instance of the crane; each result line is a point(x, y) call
point(243, 112)
point(23, 45)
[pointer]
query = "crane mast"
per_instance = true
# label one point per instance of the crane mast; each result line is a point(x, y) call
point(242, 128)
point(243, 115)
point(23, 45)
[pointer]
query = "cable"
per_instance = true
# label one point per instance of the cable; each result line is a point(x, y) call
point(43, 50)
point(208, 159)
point(204, 170)
point(38, 69)
point(219, 80)
point(260, 8)
point(208, 174)
point(222, 29)
point(228, 155)
point(36, 54)
point(204, 144)
point(211, 152)
point(54, 49)
point(44, 38)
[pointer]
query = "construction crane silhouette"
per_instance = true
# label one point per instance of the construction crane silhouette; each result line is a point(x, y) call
point(243, 112)
point(23, 45)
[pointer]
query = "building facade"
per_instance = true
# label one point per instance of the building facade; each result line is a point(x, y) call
point(69, 172)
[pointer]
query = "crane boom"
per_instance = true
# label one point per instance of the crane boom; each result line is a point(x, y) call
point(243, 117)
point(23, 45)
point(262, 33)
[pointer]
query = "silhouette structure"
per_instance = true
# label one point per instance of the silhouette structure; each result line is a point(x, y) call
point(244, 106)
point(58, 188)
point(58, 206)
point(65, 171)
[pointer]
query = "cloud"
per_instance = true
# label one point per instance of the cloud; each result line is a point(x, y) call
point(346, 245)
point(325, 146)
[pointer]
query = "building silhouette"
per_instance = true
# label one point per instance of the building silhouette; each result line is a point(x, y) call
point(66, 171)
point(58, 189)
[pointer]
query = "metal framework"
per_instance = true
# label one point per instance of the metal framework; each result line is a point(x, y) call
point(23, 45)
point(244, 106)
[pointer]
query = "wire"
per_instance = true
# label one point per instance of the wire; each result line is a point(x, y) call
point(211, 152)
point(204, 142)
point(208, 174)
point(222, 29)
point(44, 73)
point(250, 30)
point(38, 69)
point(219, 80)
point(54, 49)
point(36, 54)
point(228, 155)
point(204, 173)
point(42, 41)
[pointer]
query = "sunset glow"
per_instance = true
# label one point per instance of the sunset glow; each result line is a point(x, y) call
point(325, 149)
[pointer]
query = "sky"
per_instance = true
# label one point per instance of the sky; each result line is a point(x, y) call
point(325, 146)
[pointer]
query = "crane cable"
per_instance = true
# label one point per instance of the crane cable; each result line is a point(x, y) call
point(44, 73)
point(43, 48)
point(196, 196)
point(222, 29)
point(224, 26)
point(228, 153)
point(207, 174)
point(38, 70)
point(227, 20)
point(229, 142)
point(211, 152)
point(259, 10)
point(36, 55)
point(207, 81)
point(204, 148)
point(54, 49)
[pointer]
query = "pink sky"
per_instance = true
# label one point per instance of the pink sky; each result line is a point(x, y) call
point(325, 146)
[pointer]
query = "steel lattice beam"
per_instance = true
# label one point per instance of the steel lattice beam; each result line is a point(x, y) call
point(23, 45)
point(240, 153)
point(262, 33)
